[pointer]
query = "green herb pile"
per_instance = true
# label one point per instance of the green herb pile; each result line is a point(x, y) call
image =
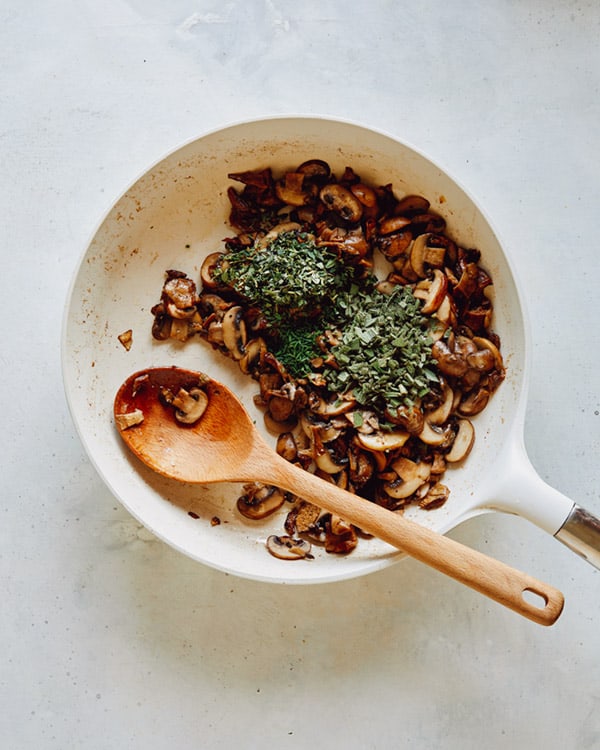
point(290, 276)
point(384, 347)
point(384, 352)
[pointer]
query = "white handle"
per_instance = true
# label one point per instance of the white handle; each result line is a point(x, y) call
point(521, 491)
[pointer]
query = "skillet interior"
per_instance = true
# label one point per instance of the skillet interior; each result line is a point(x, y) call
point(170, 218)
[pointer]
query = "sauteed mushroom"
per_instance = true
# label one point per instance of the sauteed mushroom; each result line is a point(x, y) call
point(394, 449)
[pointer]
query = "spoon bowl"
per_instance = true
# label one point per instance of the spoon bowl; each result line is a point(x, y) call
point(224, 446)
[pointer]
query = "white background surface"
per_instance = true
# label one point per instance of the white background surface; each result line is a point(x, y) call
point(112, 639)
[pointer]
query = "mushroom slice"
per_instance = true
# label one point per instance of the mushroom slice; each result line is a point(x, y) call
point(435, 293)
point(440, 415)
point(463, 442)
point(435, 498)
point(234, 332)
point(189, 405)
point(446, 312)
point(286, 446)
point(302, 519)
point(483, 343)
point(383, 441)
point(322, 456)
point(368, 197)
point(332, 408)
point(207, 270)
point(288, 548)
point(260, 500)
point(409, 417)
point(180, 296)
point(411, 475)
point(393, 224)
point(290, 189)
point(422, 254)
point(412, 204)
point(316, 170)
point(254, 349)
point(432, 435)
point(286, 226)
point(449, 362)
point(475, 402)
point(130, 419)
point(342, 202)
point(341, 541)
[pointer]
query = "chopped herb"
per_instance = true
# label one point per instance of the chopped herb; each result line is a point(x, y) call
point(384, 352)
point(296, 346)
point(292, 275)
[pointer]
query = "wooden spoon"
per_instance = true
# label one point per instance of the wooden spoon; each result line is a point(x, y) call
point(224, 446)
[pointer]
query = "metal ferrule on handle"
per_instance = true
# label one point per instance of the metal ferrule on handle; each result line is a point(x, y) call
point(581, 533)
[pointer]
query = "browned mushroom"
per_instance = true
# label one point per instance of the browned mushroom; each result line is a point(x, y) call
point(474, 402)
point(410, 476)
point(287, 548)
point(260, 500)
point(410, 418)
point(449, 362)
point(234, 332)
point(342, 202)
point(412, 204)
point(463, 442)
point(435, 497)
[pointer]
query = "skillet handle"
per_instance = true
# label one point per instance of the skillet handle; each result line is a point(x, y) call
point(581, 533)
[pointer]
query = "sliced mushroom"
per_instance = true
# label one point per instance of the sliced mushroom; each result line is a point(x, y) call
point(433, 435)
point(181, 297)
point(130, 419)
point(302, 519)
point(449, 361)
point(368, 197)
point(288, 548)
point(341, 543)
point(440, 415)
point(474, 402)
point(342, 202)
point(383, 441)
point(323, 457)
point(254, 350)
point(207, 270)
point(291, 189)
point(408, 417)
point(332, 408)
point(283, 228)
point(393, 224)
point(485, 344)
point(411, 475)
point(435, 293)
point(315, 170)
point(463, 442)
point(189, 405)
point(435, 498)
point(482, 360)
point(446, 312)
point(234, 332)
point(412, 204)
point(260, 501)
point(361, 467)
point(286, 446)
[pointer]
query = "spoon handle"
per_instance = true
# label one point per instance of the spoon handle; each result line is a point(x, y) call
point(486, 575)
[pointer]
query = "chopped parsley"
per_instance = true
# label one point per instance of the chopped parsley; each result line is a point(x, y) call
point(383, 351)
point(292, 275)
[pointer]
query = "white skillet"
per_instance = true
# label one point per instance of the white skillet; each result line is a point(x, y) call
point(174, 215)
